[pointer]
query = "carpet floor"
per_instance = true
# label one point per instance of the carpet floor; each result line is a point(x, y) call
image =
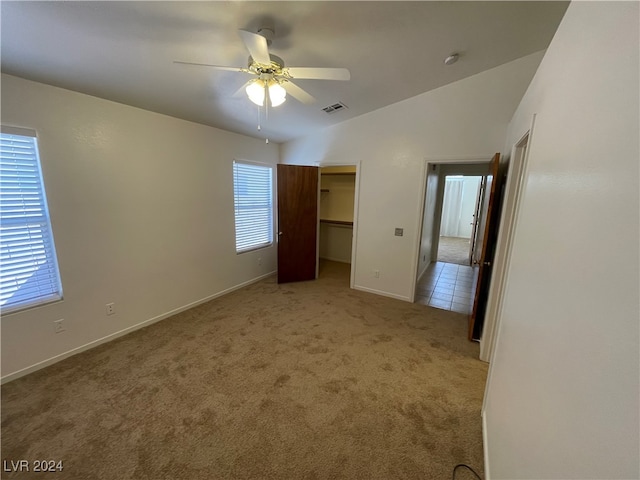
point(453, 250)
point(310, 380)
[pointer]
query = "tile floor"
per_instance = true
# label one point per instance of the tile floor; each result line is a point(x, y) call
point(448, 286)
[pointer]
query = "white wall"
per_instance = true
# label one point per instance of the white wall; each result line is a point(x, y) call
point(142, 212)
point(338, 202)
point(563, 393)
point(463, 119)
point(336, 242)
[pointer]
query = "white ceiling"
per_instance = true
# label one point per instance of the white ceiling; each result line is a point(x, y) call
point(124, 51)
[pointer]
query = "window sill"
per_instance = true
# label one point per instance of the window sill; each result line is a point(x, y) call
point(253, 249)
point(5, 311)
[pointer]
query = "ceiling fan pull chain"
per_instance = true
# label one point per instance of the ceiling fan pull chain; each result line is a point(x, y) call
point(266, 112)
point(259, 118)
point(266, 140)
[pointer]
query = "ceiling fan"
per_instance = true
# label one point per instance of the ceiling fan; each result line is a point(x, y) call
point(274, 79)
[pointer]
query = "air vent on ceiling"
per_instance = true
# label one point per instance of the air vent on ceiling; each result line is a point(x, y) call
point(335, 107)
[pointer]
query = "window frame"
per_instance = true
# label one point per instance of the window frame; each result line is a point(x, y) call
point(271, 232)
point(56, 294)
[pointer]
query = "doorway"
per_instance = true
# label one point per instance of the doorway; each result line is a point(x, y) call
point(336, 213)
point(451, 283)
point(313, 203)
point(458, 221)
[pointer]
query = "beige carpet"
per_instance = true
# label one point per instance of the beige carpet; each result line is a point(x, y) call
point(453, 250)
point(299, 381)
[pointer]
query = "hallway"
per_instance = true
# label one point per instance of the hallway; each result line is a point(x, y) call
point(448, 286)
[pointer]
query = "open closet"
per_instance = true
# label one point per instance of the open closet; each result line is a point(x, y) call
point(337, 197)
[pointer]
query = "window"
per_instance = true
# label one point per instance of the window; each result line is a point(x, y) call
point(28, 268)
point(253, 204)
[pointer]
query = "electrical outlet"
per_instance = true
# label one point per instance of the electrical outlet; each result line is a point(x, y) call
point(259, 261)
point(58, 326)
point(376, 273)
point(111, 308)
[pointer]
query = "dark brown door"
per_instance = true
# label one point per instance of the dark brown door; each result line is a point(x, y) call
point(297, 222)
point(494, 185)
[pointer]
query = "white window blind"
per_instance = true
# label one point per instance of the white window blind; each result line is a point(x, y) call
point(253, 204)
point(28, 268)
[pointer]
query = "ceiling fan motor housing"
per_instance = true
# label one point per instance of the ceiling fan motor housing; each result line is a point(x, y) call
point(277, 64)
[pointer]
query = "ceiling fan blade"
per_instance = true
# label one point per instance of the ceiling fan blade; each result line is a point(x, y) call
point(297, 93)
point(319, 73)
point(217, 67)
point(257, 46)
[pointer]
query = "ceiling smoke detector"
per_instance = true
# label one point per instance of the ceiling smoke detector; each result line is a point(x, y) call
point(451, 59)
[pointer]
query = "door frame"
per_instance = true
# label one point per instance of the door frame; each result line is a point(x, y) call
point(356, 198)
point(447, 166)
point(515, 188)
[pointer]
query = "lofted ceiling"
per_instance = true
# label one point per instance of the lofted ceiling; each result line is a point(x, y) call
point(124, 51)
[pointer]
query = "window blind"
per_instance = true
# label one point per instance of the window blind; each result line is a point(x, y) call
point(28, 268)
point(253, 204)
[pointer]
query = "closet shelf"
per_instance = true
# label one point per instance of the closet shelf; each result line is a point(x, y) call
point(336, 222)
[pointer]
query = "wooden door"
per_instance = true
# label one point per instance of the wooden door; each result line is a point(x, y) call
point(476, 320)
point(297, 223)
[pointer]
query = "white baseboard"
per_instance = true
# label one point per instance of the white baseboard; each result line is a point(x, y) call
point(120, 333)
point(380, 292)
point(485, 448)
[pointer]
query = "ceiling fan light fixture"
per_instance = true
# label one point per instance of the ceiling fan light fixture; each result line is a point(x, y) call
point(277, 94)
point(255, 92)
